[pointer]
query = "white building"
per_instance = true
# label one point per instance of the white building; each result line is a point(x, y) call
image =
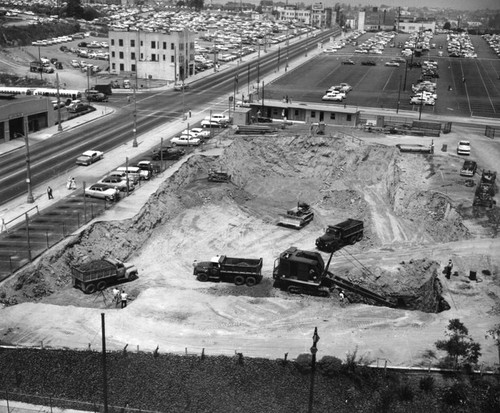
point(152, 55)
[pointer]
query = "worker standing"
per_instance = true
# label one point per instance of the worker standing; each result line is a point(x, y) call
point(123, 297)
point(116, 296)
point(341, 297)
point(448, 269)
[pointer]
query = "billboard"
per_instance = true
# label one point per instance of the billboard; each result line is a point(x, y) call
point(318, 7)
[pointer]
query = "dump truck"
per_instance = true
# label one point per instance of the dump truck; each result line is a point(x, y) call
point(304, 272)
point(485, 191)
point(98, 274)
point(338, 235)
point(234, 270)
point(218, 175)
point(297, 217)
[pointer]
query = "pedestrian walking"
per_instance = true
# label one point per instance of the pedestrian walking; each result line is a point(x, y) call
point(341, 297)
point(73, 183)
point(68, 182)
point(116, 296)
point(123, 298)
point(49, 192)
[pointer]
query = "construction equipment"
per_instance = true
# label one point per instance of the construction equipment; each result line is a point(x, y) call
point(297, 217)
point(99, 274)
point(235, 270)
point(485, 190)
point(344, 233)
point(304, 272)
point(218, 175)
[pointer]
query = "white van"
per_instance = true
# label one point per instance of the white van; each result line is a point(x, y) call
point(134, 172)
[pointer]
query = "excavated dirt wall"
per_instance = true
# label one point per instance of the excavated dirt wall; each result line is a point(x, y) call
point(270, 174)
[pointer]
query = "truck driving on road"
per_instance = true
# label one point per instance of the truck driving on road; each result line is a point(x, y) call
point(235, 270)
point(99, 274)
point(338, 235)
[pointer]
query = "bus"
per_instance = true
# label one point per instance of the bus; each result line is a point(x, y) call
point(66, 95)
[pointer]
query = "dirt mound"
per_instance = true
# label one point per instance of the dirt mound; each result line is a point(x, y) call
point(338, 177)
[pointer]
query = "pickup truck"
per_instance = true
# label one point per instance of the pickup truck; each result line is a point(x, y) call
point(236, 270)
point(98, 274)
point(469, 168)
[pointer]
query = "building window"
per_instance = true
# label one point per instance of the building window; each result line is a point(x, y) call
point(332, 115)
point(349, 117)
point(121, 55)
point(132, 67)
point(122, 67)
point(120, 42)
point(142, 44)
point(164, 45)
point(112, 42)
point(153, 58)
point(153, 45)
point(296, 113)
point(132, 56)
point(172, 59)
point(172, 46)
point(164, 58)
point(142, 56)
point(113, 66)
point(132, 43)
point(112, 54)
point(313, 114)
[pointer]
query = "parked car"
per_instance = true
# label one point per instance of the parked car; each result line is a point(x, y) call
point(469, 168)
point(418, 100)
point(89, 157)
point(205, 123)
point(185, 140)
point(102, 191)
point(336, 97)
point(200, 133)
point(463, 148)
point(167, 153)
point(369, 63)
point(218, 117)
point(78, 107)
point(146, 168)
point(117, 182)
point(348, 62)
point(179, 87)
point(392, 63)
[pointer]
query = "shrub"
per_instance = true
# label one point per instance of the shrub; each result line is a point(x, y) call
point(455, 395)
point(330, 366)
point(427, 384)
point(303, 363)
point(406, 393)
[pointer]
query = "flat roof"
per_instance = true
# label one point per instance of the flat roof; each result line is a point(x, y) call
point(324, 107)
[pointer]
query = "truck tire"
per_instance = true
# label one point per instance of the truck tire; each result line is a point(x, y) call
point(360, 237)
point(292, 289)
point(101, 285)
point(239, 280)
point(251, 281)
point(202, 277)
point(90, 289)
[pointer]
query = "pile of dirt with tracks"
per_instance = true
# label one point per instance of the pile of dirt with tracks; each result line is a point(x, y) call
point(339, 177)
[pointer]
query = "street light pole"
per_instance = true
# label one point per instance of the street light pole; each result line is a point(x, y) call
point(59, 126)
point(314, 350)
point(30, 199)
point(134, 131)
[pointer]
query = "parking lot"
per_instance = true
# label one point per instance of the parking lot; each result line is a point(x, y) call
point(381, 86)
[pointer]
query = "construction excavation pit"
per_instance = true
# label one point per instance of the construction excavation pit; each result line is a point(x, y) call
point(192, 292)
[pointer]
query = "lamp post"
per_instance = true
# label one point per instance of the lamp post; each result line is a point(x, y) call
point(314, 350)
point(134, 131)
point(59, 126)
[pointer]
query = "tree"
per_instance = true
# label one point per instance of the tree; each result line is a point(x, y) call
point(74, 9)
point(461, 348)
point(494, 333)
point(447, 26)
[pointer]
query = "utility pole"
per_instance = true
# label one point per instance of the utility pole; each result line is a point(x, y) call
point(40, 62)
point(134, 131)
point(59, 126)
point(30, 199)
point(314, 350)
point(104, 371)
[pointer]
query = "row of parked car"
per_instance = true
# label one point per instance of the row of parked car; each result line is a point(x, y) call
point(337, 93)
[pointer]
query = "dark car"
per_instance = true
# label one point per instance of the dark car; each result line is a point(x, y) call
point(82, 44)
point(179, 87)
point(262, 119)
point(348, 62)
point(167, 153)
point(369, 63)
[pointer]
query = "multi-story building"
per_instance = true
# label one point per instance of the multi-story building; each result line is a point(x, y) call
point(152, 55)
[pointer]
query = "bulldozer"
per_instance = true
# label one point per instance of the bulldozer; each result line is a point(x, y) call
point(297, 217)
point(218, 175)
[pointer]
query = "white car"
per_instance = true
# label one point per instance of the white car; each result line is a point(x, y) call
point(463, 148)
point(395, 64)
point(102, 191)
point(89, 157)
point(200, 133)
point(185, 140)
point(417, 100)
point(336, 97)
point(218, 117)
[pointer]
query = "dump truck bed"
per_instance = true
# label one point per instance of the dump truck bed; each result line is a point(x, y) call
point(243, 265)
